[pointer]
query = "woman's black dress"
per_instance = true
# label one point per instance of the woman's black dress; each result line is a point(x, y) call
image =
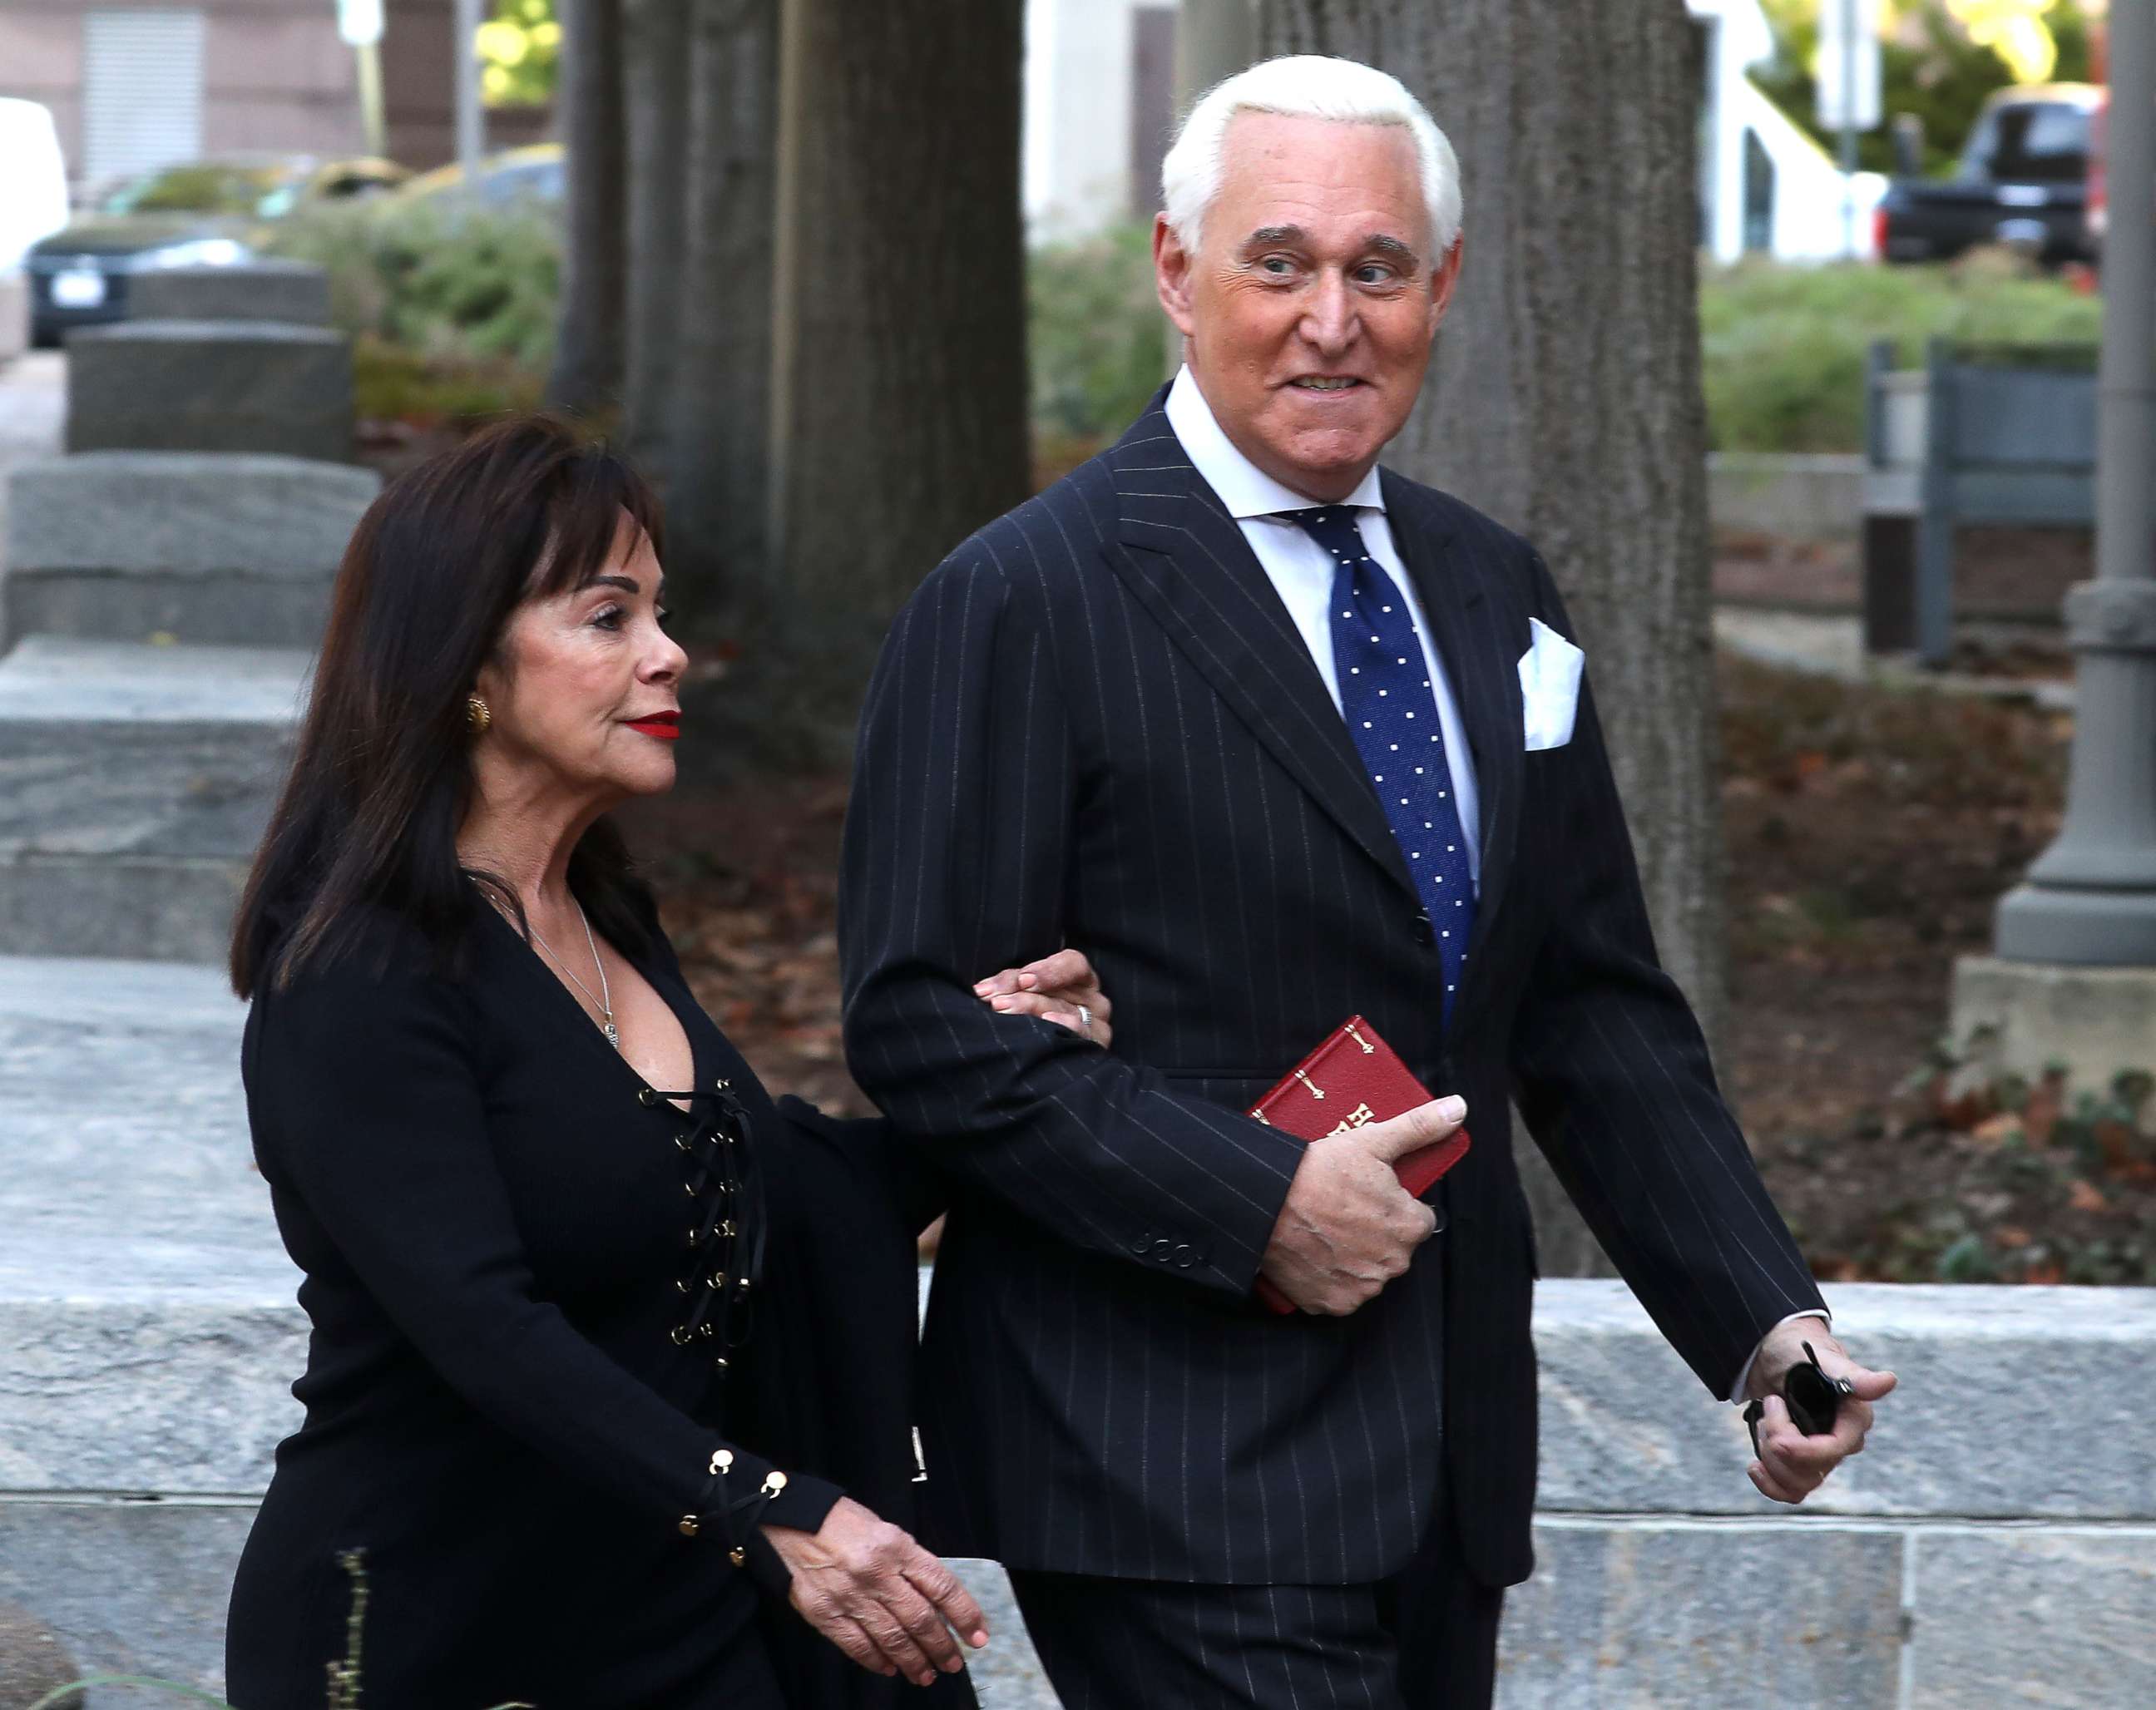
point(503, 1238)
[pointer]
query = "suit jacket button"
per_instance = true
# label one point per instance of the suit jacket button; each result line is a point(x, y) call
point(1163, 1247)
point(1144, 1243)
point(1425, 933)
point(1186, 1255)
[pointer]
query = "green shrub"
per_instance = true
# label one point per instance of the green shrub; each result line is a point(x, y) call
point(457, 286)
point(1783, 348)
point(1098, 342)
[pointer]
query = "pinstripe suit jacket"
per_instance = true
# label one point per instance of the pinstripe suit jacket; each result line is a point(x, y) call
point(1094, 724)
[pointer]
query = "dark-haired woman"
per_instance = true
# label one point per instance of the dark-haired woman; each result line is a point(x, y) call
point(538, 1199)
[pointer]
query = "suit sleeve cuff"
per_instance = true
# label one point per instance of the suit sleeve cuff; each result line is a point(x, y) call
point(1737, 1393)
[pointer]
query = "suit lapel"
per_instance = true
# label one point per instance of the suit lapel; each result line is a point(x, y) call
point(1185, 561)
point(1472, 620)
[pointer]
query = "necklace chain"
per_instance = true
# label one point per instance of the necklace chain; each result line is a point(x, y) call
point(604, 996)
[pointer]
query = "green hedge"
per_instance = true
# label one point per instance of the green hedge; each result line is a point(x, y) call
point(463, 305)
point(452, 310)
point(1783, 348)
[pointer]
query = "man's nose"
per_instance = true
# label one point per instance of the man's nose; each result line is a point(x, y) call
point(1331, 319)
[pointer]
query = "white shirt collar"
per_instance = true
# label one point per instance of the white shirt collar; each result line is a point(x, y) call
point(1244, 489)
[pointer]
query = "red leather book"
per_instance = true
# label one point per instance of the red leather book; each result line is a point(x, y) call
point(1352, 1080)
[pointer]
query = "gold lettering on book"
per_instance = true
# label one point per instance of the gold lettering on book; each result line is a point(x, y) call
point(1360, 1116)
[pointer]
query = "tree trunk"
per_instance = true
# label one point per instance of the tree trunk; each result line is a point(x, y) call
point(899, 399)
point(1565, 396)
point(587, 374)
point(718, 542)
point(656, 78)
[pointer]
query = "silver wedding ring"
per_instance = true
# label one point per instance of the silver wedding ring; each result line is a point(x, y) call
point(1085, 1022)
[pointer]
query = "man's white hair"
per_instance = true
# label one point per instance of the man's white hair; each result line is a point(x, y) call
point(1308, 86)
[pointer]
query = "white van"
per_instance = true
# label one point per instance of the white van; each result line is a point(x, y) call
point(33, 203)
point(33, 198)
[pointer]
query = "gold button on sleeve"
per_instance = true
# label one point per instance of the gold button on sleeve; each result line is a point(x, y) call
point(686, 1526)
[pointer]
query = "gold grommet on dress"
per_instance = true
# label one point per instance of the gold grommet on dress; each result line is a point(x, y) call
point(679, 1334)
point(686, 1526)
point(773, 1483)
point(737, 1556)
point(647, 1097)
point(721, 1363)
point(722, 1461)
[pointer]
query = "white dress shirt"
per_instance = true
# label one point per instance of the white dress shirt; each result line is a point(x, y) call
point(1301, 571)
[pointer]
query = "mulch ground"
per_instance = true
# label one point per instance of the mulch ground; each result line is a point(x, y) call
point(1870, 832)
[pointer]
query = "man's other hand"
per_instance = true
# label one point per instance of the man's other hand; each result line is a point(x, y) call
point(1791, 1465)
point(1347, 1227)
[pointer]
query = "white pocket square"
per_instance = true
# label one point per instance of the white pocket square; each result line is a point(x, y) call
point(1549, 687)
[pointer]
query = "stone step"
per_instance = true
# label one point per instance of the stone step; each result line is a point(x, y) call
point(213, 547)
point(269, 288)
point(210, 386)
point(135, 783)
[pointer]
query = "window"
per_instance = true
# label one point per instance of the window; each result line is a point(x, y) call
point(141, 91)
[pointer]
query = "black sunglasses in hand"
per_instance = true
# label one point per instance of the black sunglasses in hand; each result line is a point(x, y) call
point(1813, 1398)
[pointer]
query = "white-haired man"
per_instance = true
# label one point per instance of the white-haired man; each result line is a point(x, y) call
point(1277, 736)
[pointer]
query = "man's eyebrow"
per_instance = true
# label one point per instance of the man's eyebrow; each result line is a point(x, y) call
point(1267, 235)
point(1384, 243)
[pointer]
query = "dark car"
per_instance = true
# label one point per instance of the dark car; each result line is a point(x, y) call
point(2022, 180)
point(202, 213)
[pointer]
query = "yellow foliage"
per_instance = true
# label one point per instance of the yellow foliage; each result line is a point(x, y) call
point(2013, 29)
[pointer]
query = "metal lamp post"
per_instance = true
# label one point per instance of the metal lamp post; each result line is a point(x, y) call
point(2090, 898)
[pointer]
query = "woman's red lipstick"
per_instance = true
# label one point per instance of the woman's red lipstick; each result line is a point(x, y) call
point(666, 726)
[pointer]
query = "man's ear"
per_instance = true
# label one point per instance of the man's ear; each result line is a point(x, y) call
point(1171, 274)
point(1442, 281)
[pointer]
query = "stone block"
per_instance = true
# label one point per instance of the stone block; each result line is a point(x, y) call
point(1792, 495)
point(157, 759)
point(2057, 1615)
point(14, 313)
point(2019, 1018)
point(1008, 1676)
point(2015, 1402)
point(33, 1662)
point(1669, 1614)
point(210, 547)
point(268, 288)
point(210, 386)
point(131, 1587)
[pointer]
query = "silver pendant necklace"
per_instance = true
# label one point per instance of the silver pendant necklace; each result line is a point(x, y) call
point(604, 998)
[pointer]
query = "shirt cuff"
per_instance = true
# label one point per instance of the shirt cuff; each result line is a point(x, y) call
point(1744, 1377)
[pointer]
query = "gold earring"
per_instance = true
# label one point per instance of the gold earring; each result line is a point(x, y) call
point(478, 716)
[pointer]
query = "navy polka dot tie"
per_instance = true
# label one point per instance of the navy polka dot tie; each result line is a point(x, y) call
point(1391, 710)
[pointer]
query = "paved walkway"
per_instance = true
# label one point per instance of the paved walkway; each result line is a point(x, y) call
point(33, 413)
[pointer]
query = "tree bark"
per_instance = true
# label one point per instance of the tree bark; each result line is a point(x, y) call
point(718, 539)
point(587, 374)
point(1565, 399)
point(655, 77)
point(899, 404)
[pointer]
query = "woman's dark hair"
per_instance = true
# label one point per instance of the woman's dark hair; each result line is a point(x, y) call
point(382, 775)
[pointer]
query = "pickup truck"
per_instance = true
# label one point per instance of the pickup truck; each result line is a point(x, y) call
point(2024, 180)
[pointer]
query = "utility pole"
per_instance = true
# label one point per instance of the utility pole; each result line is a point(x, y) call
point(1213, 40)
point(359, 22)
point(471, 117)
point(2073, 980)
point(1849, 128)
point(2091, 896)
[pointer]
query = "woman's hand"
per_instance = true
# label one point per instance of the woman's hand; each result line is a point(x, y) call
point(880, 1597)
point(1056, 989)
